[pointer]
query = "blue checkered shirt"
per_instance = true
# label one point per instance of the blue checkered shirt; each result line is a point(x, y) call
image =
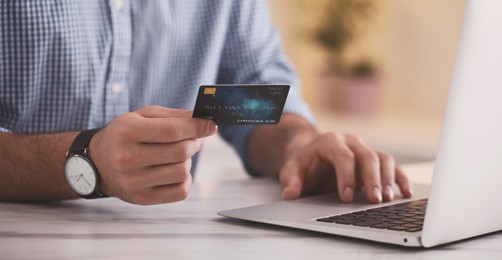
point(77, 64)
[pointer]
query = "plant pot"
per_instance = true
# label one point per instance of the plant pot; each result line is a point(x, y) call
point(350, 95)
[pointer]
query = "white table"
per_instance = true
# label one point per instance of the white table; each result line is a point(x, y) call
point(111, 229)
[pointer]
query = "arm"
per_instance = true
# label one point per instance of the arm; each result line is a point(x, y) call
point(303, 159)
point(144, 157)
point(282, 139)
point(306, 161)
point(31, 167)
point(253, 54)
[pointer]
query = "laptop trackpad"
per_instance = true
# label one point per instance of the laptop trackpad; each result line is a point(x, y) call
point(360, 201)
point(332, 199)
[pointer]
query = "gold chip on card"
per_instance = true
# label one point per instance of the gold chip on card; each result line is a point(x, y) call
point(209, 91)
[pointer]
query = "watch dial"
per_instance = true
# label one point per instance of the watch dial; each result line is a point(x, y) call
point(80, 175)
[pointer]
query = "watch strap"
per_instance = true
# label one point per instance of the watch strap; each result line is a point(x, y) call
point(83, 140)
point(80, 146)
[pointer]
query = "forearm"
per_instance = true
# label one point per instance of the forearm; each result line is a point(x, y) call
point(32, 167)
point(269, 145)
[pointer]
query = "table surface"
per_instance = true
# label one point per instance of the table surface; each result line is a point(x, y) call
point(111, 229)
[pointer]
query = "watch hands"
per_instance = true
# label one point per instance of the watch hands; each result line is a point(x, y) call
point(86, 180)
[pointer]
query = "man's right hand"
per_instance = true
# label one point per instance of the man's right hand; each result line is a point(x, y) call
point(144, 157)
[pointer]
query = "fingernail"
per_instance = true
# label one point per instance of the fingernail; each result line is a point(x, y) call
point(377, 193)
point(211, 127)
point(286, 194)
point(411, 192)
point(388, 192)
point(348, 194)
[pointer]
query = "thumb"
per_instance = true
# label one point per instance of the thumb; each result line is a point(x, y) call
point(291, 182)
point(163, 112)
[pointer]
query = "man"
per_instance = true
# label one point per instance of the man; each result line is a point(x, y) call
point(132, 69)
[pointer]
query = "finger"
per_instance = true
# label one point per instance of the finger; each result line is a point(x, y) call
point(168, 130)
point(291, 179)
point(340, 155)
point(403, 182)
point(162, 194)
point(140, 155)
point(173, 192)
point(387, 168)
point(164, 174)
point(163, 112)
point(174, 124)
point(369, 165)
point(160, 154)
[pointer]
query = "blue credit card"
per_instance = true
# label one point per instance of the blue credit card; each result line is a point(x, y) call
point(241, 104)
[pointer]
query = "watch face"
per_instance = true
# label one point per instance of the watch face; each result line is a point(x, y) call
point(80, 175)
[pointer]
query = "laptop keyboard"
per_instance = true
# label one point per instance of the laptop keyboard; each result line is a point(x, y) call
point(407, 216)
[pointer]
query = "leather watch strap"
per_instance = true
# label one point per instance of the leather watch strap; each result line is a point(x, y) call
point(83, 139)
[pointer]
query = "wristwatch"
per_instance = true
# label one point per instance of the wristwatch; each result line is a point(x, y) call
point(80, 172)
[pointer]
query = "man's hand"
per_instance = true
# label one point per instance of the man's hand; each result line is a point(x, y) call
point(308, 162)
point(144, 157)
point(341, 162)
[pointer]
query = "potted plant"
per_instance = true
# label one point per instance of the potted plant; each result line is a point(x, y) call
point(350, 86)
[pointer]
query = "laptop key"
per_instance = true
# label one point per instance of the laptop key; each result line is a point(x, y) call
point(410, 225)
point(383, 225)
point(398, 228)
point(328, 220)
point(406, 215)
point(398, 222)
point(368, 223)
point(407, 219)
point(413, 229)
point(347, 221)
point(393, 217)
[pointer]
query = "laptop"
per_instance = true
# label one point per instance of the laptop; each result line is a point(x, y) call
point(463, 200)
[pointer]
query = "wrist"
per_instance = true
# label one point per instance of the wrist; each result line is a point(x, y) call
point(268, 147)
point(299, 137)
point(96, 155)
point(80, 171)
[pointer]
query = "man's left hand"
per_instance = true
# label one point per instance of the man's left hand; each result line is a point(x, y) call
point(343, 163)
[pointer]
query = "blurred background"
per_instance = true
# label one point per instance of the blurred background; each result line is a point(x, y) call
point(377, 68)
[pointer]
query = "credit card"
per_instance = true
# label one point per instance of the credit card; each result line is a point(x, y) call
point(241, 104)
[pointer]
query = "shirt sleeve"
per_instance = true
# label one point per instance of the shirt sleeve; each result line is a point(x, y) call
point(253, 55)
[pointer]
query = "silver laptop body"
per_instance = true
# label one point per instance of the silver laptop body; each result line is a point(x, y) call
point(464, 198)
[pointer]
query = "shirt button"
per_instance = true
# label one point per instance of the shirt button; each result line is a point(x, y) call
point(118, 4)
point(116, 88)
